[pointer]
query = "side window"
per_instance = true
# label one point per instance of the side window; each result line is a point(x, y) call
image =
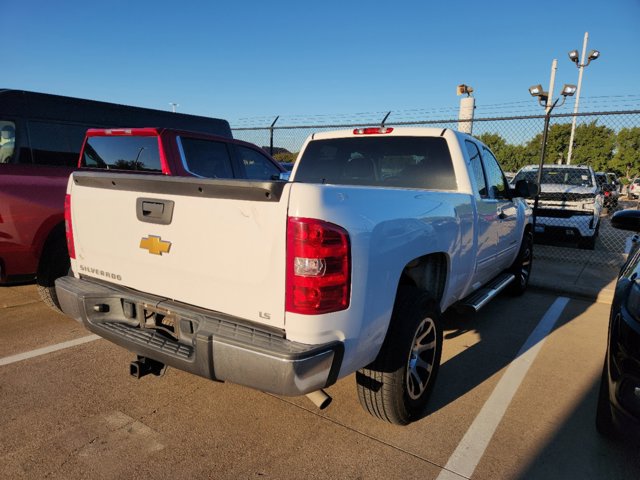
point(256, 165)
point(495, 178)
point(122, 153)
point(56, 143)
point(7, 141)
point(476, 167)
point(206, 158)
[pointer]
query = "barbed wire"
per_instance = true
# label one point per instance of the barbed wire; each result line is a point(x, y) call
point(514, 108)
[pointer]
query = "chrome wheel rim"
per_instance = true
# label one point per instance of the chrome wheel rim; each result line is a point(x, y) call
point(421, 358)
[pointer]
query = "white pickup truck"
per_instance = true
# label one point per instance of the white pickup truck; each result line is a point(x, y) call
point(287, 286)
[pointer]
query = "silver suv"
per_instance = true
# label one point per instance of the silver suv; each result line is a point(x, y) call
point(569, 205)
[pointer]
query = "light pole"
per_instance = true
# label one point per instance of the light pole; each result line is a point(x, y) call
point(573, 55)
point(174, 106)
point(544, 101)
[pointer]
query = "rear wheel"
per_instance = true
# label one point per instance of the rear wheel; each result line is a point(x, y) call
point(54, 263)
point(397, 385)
point(589, 243)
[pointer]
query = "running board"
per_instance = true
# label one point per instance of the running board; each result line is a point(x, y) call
point(480, 298)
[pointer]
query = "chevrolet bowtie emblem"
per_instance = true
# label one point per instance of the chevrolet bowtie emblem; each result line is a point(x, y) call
point(155, 245)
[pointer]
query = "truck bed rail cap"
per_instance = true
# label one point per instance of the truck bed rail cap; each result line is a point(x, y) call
point(236, 189)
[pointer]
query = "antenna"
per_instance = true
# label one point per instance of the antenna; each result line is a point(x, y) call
point(385, 119)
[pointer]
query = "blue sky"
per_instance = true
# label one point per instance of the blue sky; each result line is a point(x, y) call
point(249, 61)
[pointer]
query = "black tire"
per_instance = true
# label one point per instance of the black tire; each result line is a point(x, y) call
point(54, 263)
point(604, 418)
point(589, 243)
point(397, 385)
point(522, 265)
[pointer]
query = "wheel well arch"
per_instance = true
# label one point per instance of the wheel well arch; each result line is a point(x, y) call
point(428, 273)
point(54, 245)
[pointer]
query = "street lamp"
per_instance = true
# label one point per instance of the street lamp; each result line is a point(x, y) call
point(573, 56)
point(537, 91)
point(568, 90)
point(593, 55)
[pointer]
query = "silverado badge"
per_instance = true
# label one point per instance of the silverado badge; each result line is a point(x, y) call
point(155, 245)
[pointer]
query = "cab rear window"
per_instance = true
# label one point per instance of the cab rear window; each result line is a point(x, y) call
point(403, 162)
point(122, 153)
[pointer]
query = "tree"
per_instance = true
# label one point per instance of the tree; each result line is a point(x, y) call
point(514, 157)
point(594, 145)
point(626, 159)
point(494, 141)
point(285, 157)
point(275, 150)
point(510, 157)
point(557, 145)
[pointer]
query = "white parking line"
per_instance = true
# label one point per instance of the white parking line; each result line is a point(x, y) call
point(43, 351)
point(470, 450)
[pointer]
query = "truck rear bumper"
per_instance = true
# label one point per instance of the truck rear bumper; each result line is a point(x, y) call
point(203, 342)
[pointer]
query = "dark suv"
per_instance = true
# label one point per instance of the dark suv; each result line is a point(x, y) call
point(618, 408)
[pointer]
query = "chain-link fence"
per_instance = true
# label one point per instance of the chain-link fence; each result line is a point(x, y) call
point(575, 202)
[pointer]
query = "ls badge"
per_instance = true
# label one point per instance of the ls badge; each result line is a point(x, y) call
point(155, 245)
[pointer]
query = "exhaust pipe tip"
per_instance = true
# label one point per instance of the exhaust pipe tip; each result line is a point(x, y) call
point(320, 399)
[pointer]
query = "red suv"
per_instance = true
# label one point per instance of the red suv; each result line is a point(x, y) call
point(41, 137)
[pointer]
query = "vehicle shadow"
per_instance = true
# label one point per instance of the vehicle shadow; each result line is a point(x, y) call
point(486, 343)
point(578, 451)
point(480, 345)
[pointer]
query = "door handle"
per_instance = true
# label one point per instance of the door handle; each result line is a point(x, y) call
point(153, 210)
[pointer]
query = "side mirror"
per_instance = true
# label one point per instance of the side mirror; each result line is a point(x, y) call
point(626, 220)
point(525, 189)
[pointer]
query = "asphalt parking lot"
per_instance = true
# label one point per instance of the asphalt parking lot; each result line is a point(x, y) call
point(515, 399)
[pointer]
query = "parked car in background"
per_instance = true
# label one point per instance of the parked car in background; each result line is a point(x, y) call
point(40, 141)
point(618, 407)
point(162, 151)
point(633, 190)
point(613, 179)
point(175, 152)
point(569, 204)
point(288, 166)
point(608, 184)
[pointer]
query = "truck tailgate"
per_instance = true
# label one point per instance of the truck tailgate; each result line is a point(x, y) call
point(216, 244)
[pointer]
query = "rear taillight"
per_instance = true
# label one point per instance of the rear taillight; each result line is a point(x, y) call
point(68, 227)
point(318, 267)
